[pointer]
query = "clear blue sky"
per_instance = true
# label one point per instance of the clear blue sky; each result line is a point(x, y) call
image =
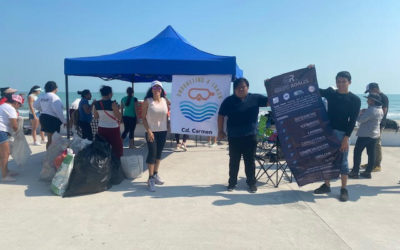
point(267, 37)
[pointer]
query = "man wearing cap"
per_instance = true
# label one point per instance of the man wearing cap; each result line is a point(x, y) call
point(373, 87)
point(343, 109)
point(368, 134)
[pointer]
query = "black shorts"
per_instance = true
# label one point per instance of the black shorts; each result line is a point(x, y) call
point(49, 123)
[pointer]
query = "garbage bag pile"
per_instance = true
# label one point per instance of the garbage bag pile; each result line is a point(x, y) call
point(92, 169)
point(83, 167)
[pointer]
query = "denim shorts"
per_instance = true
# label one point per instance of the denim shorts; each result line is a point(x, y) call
point(31, 116)
point(3, 137)
point(344, 169)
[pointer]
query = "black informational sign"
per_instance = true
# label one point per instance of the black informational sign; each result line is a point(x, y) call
point(306, 137)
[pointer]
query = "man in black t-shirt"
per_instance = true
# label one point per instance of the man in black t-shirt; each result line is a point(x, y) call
point(241, 108)
point(343, 110)
point(373, 87)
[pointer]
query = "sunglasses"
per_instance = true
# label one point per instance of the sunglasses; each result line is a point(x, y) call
point(156, 87)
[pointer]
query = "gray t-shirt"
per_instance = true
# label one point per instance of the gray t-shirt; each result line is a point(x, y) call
point(369, 122)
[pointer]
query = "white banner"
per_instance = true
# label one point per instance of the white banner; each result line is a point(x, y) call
point(195, 103)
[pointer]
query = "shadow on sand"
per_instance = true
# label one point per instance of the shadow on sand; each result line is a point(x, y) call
point(356, 191)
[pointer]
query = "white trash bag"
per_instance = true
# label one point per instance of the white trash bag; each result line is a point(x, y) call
point(77, 144)
point(60, 181)
point(19, 148)
point(132, 166)
point(57, 146)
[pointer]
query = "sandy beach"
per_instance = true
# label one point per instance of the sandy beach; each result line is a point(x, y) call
point(193, 210)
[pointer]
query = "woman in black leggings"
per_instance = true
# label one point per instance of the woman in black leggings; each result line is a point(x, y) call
point(155, 110)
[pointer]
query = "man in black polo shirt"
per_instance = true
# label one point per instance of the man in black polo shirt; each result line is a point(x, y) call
point(373, 87)
point(343, 110)
point(241, 108)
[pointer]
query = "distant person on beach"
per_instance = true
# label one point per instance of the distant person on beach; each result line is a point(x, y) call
point(242, 109)
point(85, 114)
point(343, 110)
point(51, 111)
point(373, 87)
point(34, 115)
point(8, 124)
point(154, 113)
point(180, 145)
point(109, 117)
point(128, 110)
point(368, 134)
point(74, 115)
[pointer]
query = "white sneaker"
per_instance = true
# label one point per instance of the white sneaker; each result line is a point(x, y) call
point(36, 143)
point(157, 180)
point(151, 184)
point(183, 147)
point(8, 178)
point(43, 141)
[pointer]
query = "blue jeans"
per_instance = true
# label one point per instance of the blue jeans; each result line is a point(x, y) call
point(344, 168)
point(3, 137)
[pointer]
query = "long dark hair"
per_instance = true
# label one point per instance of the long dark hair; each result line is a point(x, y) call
point(149, 93)
point(33, 89)
point(129, 91)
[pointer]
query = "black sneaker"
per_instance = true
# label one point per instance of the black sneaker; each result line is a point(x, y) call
point(252, 188)
point(231, 187)
point(366, 175)
point(344, 195)
point(323, 189)
point(353, 175)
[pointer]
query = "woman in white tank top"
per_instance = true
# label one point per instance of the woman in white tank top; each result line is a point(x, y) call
point(34, 115)
point(155, 111)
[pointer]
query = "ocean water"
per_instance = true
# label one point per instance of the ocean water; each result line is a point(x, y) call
point(394, 102)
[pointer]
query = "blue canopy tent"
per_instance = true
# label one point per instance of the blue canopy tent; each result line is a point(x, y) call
point(165, 55)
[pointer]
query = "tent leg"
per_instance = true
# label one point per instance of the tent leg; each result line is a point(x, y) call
point(133, 86)
point(67, 106)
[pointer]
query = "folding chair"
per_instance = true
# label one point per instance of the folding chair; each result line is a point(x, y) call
point(269, 154)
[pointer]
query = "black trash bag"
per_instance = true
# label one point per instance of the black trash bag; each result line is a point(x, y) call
point(117, 174)
point(92, 169)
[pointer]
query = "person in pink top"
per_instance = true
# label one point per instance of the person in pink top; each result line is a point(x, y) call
point(155, 112)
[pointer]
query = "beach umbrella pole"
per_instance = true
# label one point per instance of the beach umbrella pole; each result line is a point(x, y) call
point(67, 105)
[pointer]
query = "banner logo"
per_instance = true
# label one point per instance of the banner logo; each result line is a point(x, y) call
point(195, 103)
point(200, 94)
point(198, 113)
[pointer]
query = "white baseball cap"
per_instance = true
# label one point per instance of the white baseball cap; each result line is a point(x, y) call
point(155, 83)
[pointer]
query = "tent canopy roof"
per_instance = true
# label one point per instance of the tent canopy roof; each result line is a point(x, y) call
point(165, 55)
